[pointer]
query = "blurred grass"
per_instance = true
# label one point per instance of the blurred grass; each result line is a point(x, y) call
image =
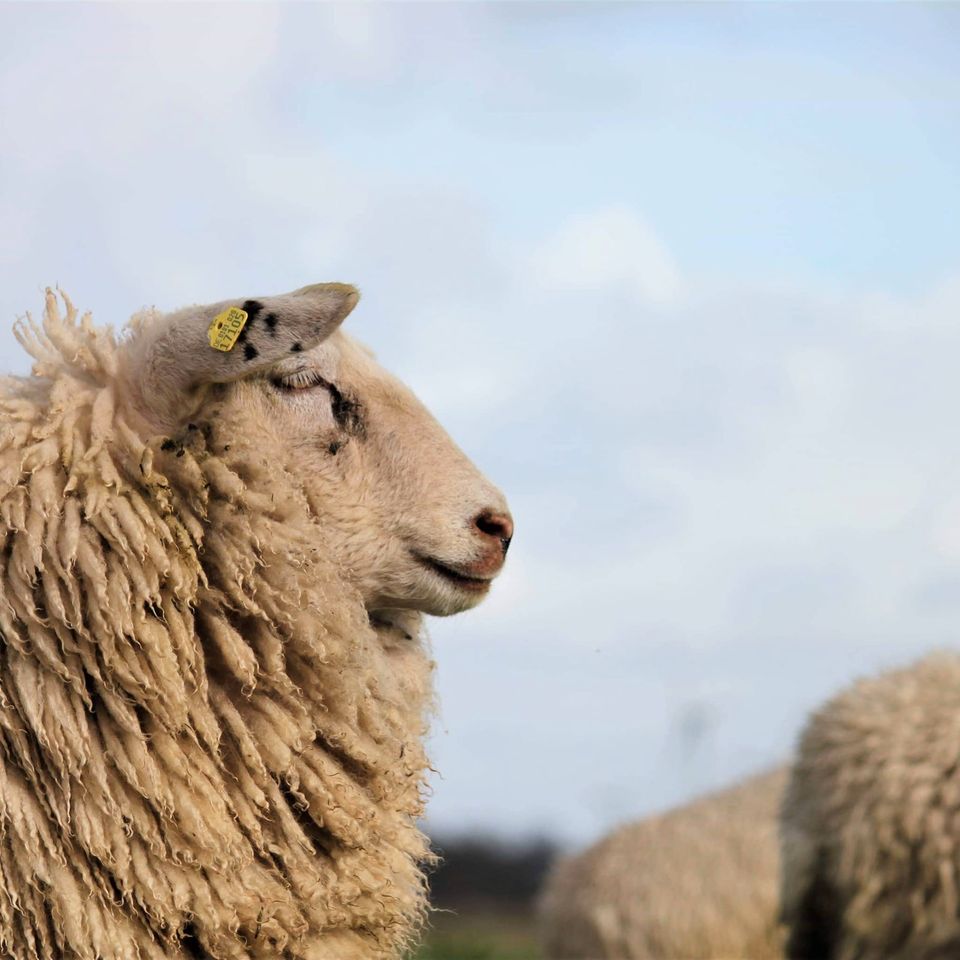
point(479, 936)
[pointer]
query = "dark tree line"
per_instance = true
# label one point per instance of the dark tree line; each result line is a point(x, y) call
point(484, 872)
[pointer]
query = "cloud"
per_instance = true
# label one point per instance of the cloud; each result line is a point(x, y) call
point(802, 534)
point(608, 250)
point(112, 83)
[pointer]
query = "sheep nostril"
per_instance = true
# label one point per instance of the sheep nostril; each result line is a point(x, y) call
point(499, 525)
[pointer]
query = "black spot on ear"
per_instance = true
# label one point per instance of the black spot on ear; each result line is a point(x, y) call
point(251, 308)
point(167, 444)
point(296, 348)
point(335, 447)
point(250, 351)
point(242, 336)
point(271, 321)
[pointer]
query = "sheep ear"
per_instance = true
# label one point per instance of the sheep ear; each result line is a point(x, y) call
point(227, 341)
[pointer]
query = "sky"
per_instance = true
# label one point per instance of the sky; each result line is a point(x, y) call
point(683, 279)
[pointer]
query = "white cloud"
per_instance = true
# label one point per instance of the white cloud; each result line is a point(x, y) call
point(612, 249)
point(945, 532)
point(111, 82)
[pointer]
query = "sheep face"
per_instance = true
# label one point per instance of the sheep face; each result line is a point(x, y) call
point(410, 519)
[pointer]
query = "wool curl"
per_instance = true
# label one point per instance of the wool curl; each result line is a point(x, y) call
point(207, 749)
point(698, 883)
point(871, 820)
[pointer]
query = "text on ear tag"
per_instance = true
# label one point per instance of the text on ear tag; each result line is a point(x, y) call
point(226, 327)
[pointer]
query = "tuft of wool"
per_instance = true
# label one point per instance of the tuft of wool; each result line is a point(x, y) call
point(871, 845)
point(207, 749)
point(698, 883)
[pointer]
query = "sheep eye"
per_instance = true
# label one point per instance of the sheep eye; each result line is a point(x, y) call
point(301, 380)
point(347, 411)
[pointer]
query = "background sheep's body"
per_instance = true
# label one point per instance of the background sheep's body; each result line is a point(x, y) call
point(207, 748)
point(871, 822)
point(696, 882)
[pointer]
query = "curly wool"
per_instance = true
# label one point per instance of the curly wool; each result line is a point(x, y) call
point(871, 820)
point(207, 750)
point(696, 882)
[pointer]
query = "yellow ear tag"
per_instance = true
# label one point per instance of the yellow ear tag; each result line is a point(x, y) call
point(226, 328)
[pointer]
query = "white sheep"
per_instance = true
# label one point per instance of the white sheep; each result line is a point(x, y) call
point(696, 883)
point(871, 821)
point(216, 547)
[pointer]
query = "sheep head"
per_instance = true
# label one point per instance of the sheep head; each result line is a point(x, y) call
point(411, 521)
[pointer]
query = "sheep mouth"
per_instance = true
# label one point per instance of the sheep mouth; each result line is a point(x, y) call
point(454, 576)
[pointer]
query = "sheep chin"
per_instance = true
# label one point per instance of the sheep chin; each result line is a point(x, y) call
point(396, 625)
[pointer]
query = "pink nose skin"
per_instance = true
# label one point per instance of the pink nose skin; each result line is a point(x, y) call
point(496, 526)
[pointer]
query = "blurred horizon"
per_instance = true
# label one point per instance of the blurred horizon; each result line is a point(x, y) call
point(683, 279)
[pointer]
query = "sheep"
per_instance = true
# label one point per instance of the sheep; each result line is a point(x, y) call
point(695, 883)
point(220, 532)
point(870, 828)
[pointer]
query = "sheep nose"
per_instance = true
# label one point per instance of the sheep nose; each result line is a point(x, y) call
point(496, 525)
